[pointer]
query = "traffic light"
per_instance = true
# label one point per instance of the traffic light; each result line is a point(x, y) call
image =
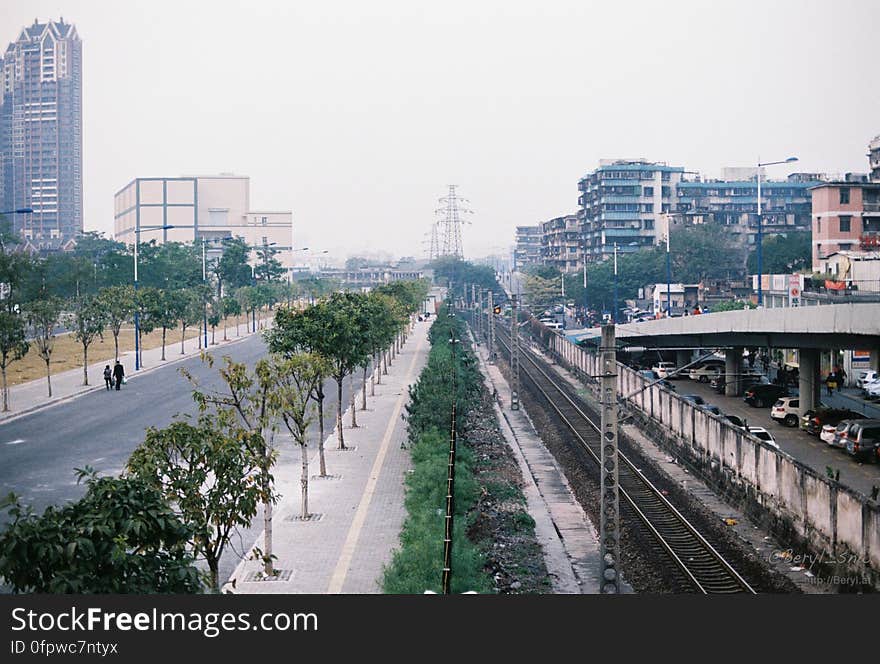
point(496, 310)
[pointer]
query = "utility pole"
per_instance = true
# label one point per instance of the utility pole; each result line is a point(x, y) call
point(609, 514)
point(491, 340)
point(450, 482)
point(514, 354)
point(478, 317)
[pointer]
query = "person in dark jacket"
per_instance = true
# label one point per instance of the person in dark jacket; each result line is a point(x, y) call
point(108, 377)
point(118, 374)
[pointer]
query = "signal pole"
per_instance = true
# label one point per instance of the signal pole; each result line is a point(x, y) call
point(609, 514)
point(514, 354)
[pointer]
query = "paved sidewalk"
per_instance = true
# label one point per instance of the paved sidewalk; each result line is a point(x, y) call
point(358, 513)
point(34, 395)
point(568, 539)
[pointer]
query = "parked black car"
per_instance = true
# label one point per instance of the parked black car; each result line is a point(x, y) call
point(719, 383)
point(762, 395)
point(832, 416)
point(652, 375)
point(695, 399)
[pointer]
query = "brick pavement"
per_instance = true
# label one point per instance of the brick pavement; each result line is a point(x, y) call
point(361, 509)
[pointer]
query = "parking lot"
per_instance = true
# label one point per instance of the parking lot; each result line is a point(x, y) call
point(803, 447)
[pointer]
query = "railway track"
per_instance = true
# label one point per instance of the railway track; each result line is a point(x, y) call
point(699, 565)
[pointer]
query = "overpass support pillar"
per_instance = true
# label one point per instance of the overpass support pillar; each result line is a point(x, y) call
point(733, 358)
point(875, 359)
point(682, 357)
point(809, 382)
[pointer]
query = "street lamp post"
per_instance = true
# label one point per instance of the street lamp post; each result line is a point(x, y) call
point(137, 324)
point(205, 281)
point(760, 234)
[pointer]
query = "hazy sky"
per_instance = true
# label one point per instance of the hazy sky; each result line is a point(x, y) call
point(357, 115)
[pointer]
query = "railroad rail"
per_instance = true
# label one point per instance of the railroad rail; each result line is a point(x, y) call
point(702, 567)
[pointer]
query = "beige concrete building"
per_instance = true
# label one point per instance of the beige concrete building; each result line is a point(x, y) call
point(196, 208)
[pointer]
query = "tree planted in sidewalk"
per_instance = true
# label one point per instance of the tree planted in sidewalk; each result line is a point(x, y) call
point(148, 305)
point(344, 342)
point(121, 537)
point(86, 319)
point(43, 317)
point(301, 332)
point(296, 378)
point(246, 402)
point(168, 309)
point(189, 313)
point(209, 475)
point(213, 320)
point(13, 345)
point(117, 303)
point(229, 306)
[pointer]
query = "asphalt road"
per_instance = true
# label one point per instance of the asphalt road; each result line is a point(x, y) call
point(39, 452)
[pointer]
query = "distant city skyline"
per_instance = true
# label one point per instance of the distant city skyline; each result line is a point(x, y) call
point(357, 117)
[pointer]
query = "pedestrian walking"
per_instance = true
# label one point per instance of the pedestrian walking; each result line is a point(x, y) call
point(831, 382)
point(118, 374)
point(841, 377)
point(108, 377)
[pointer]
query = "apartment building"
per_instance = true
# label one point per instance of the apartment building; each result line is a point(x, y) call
point(874, 158)
point(528, 246)
point(621, 202)
point(561, 245)
point(733, 203)
point(845, 216)
point(41, 134)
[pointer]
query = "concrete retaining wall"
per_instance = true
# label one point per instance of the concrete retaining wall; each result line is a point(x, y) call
point(840, 525)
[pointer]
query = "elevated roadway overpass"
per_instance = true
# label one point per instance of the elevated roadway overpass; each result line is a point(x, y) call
point(808, 329)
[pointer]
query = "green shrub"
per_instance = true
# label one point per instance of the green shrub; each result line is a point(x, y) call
point(417, 565)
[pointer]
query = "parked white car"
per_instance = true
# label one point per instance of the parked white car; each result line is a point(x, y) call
point(664, 369)
point(873, 389)
point(786, 411)
point(866, 377)
point(706, 371)
point(827, 433)
point(762, 434)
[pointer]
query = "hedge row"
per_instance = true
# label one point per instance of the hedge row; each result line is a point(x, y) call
point(417, 565)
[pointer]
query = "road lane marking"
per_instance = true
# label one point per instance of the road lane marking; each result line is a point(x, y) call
point(360, 516)
point(17, 441)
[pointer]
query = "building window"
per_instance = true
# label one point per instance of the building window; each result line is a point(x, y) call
point(265, 220)
point(818, 224)
point(845, 223)
point(844, 195)
point(846, 246)
point(649, 224)
point(649, 191)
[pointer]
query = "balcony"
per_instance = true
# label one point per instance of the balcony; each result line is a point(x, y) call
point(871, 208)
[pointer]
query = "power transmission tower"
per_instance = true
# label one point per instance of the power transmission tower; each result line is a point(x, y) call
point(449, 231)
point(434, 251)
